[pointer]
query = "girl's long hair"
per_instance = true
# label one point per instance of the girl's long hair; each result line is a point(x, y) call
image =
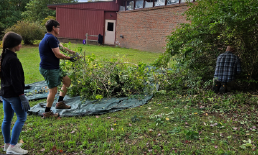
point(10, 40)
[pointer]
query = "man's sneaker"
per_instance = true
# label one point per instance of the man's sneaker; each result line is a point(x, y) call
point(6, 146)
point(223, 88)
point(50, 114)
point(16, 150)
point(216, 86)
point(62, 105)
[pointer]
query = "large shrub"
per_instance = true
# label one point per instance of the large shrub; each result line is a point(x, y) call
point(95, 79)
point(214, 25)
point(30, 31)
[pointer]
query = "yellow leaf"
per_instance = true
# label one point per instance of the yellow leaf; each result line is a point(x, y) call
point(195, 113)
point(21, 141)
point(167, 119)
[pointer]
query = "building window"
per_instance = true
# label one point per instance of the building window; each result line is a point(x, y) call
point(129, 5)
point(148, 3)
point(159, 2)
point(139, 4)
point(122, 8)
point(110, 26)
point(172, 2)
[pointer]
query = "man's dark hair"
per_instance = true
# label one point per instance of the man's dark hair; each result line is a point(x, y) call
point(50, 23)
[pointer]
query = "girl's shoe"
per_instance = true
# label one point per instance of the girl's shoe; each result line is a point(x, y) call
point(6, 146)
point(16, 150)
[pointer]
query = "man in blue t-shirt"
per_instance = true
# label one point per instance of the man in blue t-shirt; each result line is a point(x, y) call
point(49, 67)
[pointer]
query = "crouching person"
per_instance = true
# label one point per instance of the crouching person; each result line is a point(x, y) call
point(227, 67)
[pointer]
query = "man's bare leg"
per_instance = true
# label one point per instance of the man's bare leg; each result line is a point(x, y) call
point(66, 84)
point(50, 100)
point(51, 96)
point(60, 104)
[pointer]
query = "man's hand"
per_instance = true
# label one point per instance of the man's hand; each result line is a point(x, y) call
point(72, 58)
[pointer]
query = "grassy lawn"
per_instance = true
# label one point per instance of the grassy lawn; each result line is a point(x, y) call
point(169, 124)
point(129, 55)
point(29, 56)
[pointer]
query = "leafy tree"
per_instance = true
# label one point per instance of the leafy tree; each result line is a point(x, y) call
point(10, 12)
point(214, 25)
point(37, 10)
point(43, 22)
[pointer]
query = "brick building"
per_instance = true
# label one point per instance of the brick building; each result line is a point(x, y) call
point(146, 29)
point(137, 24)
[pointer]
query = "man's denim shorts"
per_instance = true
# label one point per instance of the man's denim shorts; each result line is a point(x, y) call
point(53, 77)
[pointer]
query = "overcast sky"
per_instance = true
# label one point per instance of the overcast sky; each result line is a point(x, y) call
point(82, 0)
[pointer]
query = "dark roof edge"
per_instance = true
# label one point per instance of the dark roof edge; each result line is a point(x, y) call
point(92, 9)
point(51, 5)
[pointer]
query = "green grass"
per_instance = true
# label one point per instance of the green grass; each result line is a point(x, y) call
point(169, 124)
point(130, 55)
point(29, 57)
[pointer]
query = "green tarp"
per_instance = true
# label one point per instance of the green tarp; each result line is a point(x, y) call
point(79, 108)
point(39, 90)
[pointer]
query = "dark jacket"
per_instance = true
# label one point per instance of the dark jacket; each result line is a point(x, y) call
point(12, 75)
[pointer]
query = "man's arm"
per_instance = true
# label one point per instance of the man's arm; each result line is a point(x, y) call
point(65, 50)
point(59, 55)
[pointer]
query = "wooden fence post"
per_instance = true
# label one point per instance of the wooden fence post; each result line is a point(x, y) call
point(86, 38)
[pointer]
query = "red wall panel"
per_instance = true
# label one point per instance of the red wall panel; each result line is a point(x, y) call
point(75, 23)
point(110, 15)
